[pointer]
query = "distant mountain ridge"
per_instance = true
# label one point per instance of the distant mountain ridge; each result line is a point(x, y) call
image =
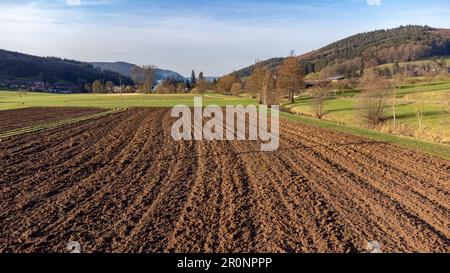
point(125, 69)
point(369, 49)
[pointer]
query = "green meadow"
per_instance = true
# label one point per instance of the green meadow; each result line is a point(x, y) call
point(13, 100)
point(434, 99)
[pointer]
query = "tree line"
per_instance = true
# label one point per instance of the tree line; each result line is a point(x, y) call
point(145, 81)
point(267, 85)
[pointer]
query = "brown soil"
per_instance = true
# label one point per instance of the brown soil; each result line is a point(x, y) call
point(19, 118)
point(121, 184)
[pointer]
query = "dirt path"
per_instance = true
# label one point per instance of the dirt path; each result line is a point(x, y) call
point(121, 184)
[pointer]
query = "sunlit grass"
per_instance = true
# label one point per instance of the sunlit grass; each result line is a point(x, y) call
point(343, 109)
point(13, 100)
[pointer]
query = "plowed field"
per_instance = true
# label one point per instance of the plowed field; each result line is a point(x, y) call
point(121, 184)
point(19, 118)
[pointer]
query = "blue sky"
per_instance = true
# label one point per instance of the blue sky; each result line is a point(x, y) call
point(211, 36)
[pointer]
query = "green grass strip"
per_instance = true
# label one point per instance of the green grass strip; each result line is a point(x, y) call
point(439, 150)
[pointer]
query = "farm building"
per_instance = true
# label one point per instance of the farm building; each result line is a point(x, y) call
point(333, 79)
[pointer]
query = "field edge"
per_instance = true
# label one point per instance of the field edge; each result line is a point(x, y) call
point(57, 124)
point(435, 149)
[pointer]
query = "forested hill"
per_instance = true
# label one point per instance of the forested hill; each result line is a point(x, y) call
point(14, 65)
point(347, 56)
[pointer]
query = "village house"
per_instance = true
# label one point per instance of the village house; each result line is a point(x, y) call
point(38, 87)
point(63, 88)
point(17, 85)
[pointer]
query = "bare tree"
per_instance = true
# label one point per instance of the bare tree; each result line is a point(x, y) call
point(181, 88)
point(149, 76)
point(255, 82)
point(268, 94)
point(137, 76)
point(109, 87)
point(373, 98)
point(202, 85)
point(342, 86)
point(429, 77)
point(320, 94)
point(236, 88)
point(98, 87)
point(290, 77)
point(225, 83)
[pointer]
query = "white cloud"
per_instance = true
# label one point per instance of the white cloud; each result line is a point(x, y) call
point(374, 2)
point(73, 2)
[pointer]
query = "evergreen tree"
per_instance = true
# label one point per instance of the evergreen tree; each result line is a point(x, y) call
point(188, 85)
point(193, 79)
point(201, 76)
point(202, 84)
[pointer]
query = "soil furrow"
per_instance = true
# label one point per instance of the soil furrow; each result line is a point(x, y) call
point(122, 184)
